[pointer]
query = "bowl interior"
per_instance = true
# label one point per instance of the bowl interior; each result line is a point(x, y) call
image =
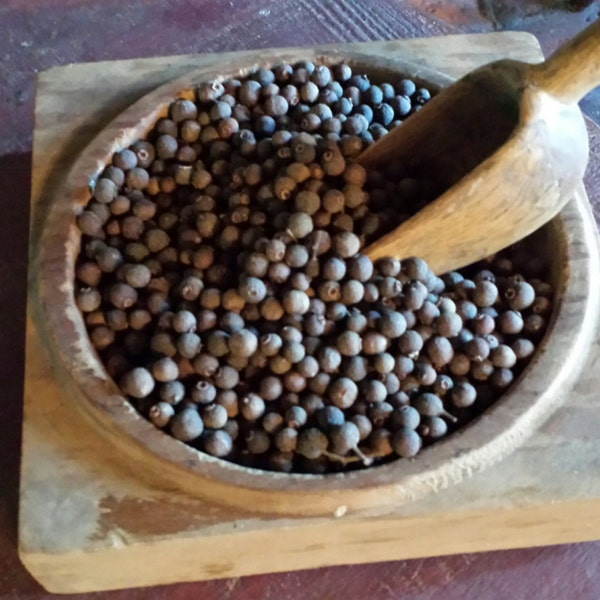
point(484, 441)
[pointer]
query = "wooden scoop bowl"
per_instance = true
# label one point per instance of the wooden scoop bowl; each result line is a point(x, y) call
point(507, 143)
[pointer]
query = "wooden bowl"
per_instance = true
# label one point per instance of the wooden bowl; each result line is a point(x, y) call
point(570, 240)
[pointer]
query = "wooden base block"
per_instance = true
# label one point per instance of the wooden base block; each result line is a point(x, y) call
point(90, 519)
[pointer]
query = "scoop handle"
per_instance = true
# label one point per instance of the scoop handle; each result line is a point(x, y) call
point(573, 70)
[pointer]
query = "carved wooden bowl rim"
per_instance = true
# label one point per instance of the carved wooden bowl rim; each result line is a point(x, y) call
point(502, 428)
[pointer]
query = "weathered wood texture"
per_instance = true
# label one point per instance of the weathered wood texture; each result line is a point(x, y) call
point(88, 387)
point(523, 137)
point(92, 521)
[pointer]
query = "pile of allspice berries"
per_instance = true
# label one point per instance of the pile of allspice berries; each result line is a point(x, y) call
point(222, 283)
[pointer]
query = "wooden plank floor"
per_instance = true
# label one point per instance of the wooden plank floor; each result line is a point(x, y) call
point(37, 34)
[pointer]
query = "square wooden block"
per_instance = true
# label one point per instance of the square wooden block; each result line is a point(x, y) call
point(92, 519)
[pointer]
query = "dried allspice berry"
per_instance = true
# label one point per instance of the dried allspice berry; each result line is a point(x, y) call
point(221, 281)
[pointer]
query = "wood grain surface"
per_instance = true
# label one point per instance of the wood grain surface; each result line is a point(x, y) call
point(122, 522)
point(523, 137)
point(51, 280)
point(40, 34)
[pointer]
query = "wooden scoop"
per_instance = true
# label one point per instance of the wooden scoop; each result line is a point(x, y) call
point(507, 143)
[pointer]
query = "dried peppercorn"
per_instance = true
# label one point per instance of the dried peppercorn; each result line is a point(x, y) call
point(239, 253)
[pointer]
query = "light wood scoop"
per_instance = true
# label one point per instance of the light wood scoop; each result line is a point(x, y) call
point(507, 143)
